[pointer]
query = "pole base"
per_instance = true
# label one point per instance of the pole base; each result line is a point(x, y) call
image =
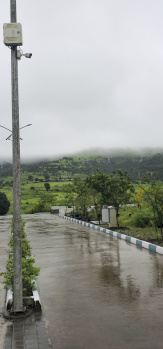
point(18, 311)
point(10, 315)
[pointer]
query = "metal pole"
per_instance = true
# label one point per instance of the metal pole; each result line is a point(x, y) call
point(17, 292)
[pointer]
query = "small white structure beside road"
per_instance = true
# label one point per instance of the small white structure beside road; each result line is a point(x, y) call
point(109, 216)
point(54, 209)
point(61, 210)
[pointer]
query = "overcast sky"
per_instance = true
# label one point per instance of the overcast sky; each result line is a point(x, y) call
point(95, 79)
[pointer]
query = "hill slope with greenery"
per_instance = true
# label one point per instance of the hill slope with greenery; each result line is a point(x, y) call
point(81, 166)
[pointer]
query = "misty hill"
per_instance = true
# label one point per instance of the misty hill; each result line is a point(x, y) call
point(80, 166)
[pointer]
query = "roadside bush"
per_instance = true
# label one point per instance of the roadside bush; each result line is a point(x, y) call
point(92, 215)
point(29, 270)
point(124, 215)
point(41, 206)
point(141, 219)
point(4, 204)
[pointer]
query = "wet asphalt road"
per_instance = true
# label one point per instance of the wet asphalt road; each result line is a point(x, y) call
point(97, 292)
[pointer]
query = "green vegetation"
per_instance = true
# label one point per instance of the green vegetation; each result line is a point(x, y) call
point(29, 271)
point(136, 165)
point(153, 196)
point(4, 204)
point(115, 189)
point(62, 171)
point(32, 193)
point(139, 225)
point(79, 197)
point(47, 186)
point(91, 181)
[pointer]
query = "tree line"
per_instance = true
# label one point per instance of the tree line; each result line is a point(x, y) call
point(115, 189)
point(118, 190)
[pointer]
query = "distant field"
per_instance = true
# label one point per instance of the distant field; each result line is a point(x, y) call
point(67, 168)
point(30, 197)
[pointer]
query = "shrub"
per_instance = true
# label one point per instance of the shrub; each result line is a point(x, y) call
point(41, 206)
point(47, 186)
point(4, 204)
point(29, 271)
point(141, 218)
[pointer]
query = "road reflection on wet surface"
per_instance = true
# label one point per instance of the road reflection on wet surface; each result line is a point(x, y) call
point(97, 291)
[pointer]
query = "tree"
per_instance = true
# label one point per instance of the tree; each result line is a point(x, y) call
point(70, 196)
point(99, 183)
point(47, 186)
point(80, 196)
point(115, 189)
point(153, 195)
point(43, 205)
point(139, 197)
point(30, 178)
point(95, 196)
point(46, 176)
point(4, 204)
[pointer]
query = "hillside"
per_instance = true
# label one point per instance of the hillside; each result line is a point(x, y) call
point(80, 166)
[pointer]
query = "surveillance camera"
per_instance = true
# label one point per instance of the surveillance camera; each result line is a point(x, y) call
point(28, 55)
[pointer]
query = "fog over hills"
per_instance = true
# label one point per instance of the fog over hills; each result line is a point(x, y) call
point(145, 162)
point(93, 151)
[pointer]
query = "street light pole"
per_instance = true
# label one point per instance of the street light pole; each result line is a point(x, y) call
point(17, 291)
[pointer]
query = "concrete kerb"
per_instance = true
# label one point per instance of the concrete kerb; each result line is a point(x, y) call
point(33, 306)
point(137, 242)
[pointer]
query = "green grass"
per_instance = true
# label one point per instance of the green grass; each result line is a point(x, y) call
point(78, 166)
point(30, 197)
point(146, 234)
point(57, 196)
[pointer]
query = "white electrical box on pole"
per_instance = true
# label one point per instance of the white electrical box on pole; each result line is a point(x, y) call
point(12, 34)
